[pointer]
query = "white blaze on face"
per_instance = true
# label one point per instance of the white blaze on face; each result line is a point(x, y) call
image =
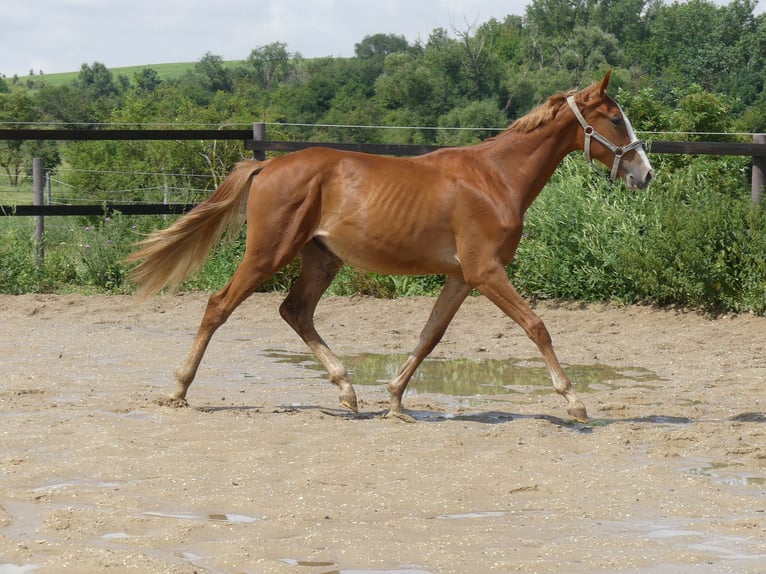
point(640, 169)
point(632, 135)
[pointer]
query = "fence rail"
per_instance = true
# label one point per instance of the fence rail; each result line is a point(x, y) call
point(69, 134)
point(255, 141)
point(101, 209)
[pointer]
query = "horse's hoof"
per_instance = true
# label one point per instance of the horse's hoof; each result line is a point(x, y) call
point(578, 413)
point(174, 402)
point(349, 402)
point(391, 415)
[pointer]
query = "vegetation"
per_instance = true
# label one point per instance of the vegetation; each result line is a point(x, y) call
point(692, 239)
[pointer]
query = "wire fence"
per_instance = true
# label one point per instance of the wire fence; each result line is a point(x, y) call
point(125, 186)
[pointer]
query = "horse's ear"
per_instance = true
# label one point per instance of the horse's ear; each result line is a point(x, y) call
point(603, 84)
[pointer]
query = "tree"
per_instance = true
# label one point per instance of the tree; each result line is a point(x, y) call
point(16, 156)
point(271, 65)
point(97, 81)
point(506, 39)
point(623, 19)
point(479, 59)
point(589, 48)
point(548, 22)
point(378, 46)
point(209, 76)
point(147, 80)
point(479, 114)
point(697, 41)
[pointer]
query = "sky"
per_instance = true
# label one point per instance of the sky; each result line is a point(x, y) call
point(55, 36)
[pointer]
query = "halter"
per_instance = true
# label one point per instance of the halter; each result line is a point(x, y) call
point(590, 132)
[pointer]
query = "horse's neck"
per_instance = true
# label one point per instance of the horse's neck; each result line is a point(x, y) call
point(528, 160)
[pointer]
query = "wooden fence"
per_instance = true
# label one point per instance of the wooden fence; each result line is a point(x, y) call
point(255, 140)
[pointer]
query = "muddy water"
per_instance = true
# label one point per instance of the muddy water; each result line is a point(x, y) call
point(469, 377)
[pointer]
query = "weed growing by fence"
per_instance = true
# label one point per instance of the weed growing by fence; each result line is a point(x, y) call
point(692, 239)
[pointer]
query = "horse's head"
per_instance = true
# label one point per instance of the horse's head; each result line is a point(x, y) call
point(607, 135)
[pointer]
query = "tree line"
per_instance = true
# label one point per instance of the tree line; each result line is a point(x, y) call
point(692, 66)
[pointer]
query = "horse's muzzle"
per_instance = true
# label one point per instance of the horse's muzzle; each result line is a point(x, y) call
point(639, 181)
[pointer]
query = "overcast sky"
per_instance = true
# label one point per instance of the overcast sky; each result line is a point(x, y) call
point(60, 35)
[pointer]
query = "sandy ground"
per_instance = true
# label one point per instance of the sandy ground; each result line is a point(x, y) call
point(264, 473)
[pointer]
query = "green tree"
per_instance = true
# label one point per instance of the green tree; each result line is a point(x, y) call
point(624, 19)
point(96, 81)
point(18, 107)
point(15, 107)
point(478, 114)
point(147, 80)
point(209, 75)
point(66, 104)
point(270, 65)
point(378, 46)
point(548, 22)
point(96, 87)
point(696, 41)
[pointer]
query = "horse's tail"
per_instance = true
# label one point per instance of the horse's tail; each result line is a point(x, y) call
point(169, 255)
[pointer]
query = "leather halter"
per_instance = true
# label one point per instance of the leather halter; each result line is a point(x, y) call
point(590, 132)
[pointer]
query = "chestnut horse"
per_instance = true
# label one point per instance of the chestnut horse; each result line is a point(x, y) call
point(457, 212)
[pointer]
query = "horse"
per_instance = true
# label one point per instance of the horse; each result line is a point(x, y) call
point(456, 212)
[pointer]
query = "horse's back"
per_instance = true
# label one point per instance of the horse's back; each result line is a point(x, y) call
point(383, 214)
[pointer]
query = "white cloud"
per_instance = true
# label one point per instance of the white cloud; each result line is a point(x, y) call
point(61, 35)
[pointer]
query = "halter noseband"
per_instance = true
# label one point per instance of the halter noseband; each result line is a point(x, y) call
point(590, 132)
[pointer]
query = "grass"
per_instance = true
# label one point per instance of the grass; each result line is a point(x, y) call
point(169, 71)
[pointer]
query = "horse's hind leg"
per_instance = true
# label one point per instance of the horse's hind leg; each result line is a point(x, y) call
point(220, 306)
point(318, 268)
point(452, 296)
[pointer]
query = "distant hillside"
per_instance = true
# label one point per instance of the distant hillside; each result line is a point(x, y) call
point(170, 71)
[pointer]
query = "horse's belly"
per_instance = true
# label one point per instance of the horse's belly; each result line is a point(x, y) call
point(396, 258)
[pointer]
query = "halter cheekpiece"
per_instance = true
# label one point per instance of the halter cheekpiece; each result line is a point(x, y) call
point(590, 132)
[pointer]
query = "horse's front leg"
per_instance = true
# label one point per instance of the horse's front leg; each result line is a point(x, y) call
point(496, 286)
point(452, 296)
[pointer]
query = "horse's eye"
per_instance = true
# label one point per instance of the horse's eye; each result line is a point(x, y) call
point(616, 120)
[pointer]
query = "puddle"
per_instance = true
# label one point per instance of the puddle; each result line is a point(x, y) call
point(395, 571)
point(724, 473)
point(671, 533)
point(234, 518)
point(470, 515)
point(695, 535)
point(319, 563)
point(309, 563)
point(16, 569)
point(316, 563)
point(115, 536)
point(468, 377)
point(69, 484)
point(230, 518)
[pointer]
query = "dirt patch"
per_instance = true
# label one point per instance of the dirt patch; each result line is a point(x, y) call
point(264, 473)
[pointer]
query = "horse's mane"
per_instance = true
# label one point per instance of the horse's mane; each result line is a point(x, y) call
point(540, 115)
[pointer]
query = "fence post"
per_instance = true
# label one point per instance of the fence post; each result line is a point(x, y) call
point(759, 171)
point(38, 189)
point(259, 134)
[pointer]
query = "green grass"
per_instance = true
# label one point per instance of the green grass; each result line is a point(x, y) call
point(22, 193)
point(169, 71)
